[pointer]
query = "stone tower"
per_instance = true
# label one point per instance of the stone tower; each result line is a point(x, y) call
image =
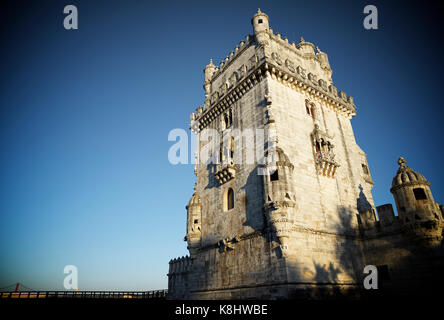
point(299, 225)
point(419, 214)
point(271, 235)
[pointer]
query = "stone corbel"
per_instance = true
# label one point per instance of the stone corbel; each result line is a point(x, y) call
point(225, 245)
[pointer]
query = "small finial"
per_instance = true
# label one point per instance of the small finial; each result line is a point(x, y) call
point(302, 40)
point(259, 10)
point(401, 162)
point(318, 50)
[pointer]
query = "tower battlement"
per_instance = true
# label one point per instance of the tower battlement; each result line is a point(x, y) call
point(264, 54)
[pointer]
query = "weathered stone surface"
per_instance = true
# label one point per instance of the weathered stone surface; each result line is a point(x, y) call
point(310, 230)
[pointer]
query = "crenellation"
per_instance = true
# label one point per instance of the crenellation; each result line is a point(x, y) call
point(386, 214)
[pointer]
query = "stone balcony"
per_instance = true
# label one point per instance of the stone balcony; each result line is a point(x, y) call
point(226, 173)
point(326, 164)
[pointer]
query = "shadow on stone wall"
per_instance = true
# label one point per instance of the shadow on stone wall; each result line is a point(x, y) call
point(340, 278)
point(408, 268)
point(413, 270)
point(212, 180)
point(362, 203)
point(253, 187)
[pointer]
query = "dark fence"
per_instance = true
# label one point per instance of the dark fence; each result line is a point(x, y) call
point(157, 294)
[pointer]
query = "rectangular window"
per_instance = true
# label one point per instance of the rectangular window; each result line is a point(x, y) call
point(274, 176)
point(419, 194)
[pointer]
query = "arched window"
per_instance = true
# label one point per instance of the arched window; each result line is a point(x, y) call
point(307, 107)
point(310, 108)
point(312, 111)
point(221, 153)
point(225, 121)
point(228, 119)
point(232, 149)
point(228, 199)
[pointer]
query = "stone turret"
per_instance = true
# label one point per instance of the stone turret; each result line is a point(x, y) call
point(194, 223)
point(280, 199)
point(209, 70)
point(418, 213)
point(260, 22)
point(325, 64)
point(306, 47)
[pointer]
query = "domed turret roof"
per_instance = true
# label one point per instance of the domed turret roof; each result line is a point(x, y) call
point(195, 200)
point(281, 158)
point(407, 176)
point(260, 13)
point(281, 155)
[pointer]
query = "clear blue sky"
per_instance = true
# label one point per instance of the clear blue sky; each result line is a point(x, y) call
point(85, 116)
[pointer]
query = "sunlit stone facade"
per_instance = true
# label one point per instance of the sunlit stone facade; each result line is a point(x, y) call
point(309, 228)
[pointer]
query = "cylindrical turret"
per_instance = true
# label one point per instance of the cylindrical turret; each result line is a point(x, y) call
point(280, 200)
point(306, 47)
point(417, 210)
point(209, 70)
point(194, 223)
point(260, 22)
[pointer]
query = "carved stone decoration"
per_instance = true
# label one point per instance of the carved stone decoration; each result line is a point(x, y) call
point(280, 207)
point(227, 173)
point(313, 79)
point(242, 71)
point(252, 62)
point(301, 72)
point(269, 114)
point(323, 147)
point(277, 58)
point(227, 244)
point(290, 65)
point(333, 90)
point(323, 84)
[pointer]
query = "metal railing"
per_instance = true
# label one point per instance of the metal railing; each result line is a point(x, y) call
point(156, 294)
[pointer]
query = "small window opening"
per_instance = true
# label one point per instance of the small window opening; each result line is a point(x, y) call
point(221, 153)
point(259, 21)
point(227, 119)
point(383, 275)
point(232, 148)
point(312, 111)
point(196, 221)
point(365, 169)
point(229, 199)
point(274, 176)
point(419, 194)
